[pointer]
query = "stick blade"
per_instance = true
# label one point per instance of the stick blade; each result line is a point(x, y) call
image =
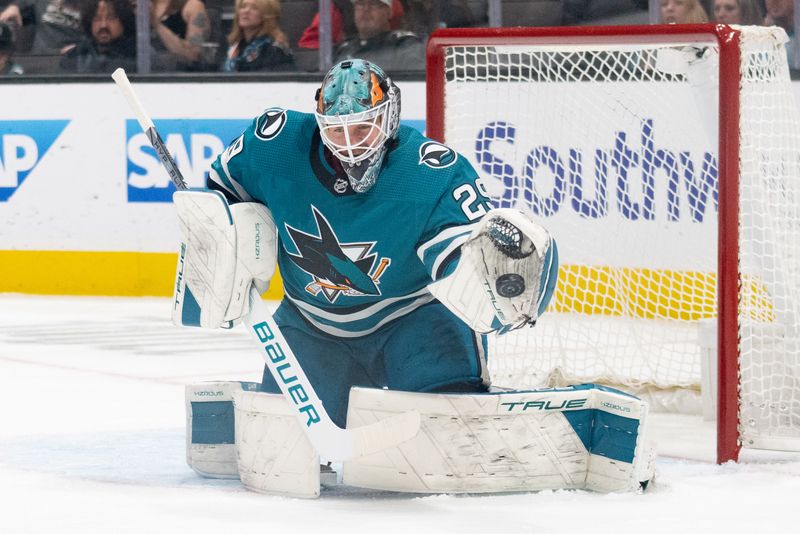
point(385, 434)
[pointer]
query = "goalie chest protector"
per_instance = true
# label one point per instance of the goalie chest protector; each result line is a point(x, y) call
point(342, 253)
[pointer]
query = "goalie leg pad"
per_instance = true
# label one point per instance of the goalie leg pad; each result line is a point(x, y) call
point(224, 250)
point(581, 437)
point(506, 275)
point(275, 455)
point(210, 434)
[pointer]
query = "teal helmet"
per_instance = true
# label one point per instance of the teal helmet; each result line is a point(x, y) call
point(358, 113)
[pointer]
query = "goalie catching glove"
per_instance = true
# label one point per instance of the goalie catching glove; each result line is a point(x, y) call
point(506, 275)
point(225, 249)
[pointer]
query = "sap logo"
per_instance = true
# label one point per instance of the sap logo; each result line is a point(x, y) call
point(23, 144)
point(623, 177)
point(193, 144)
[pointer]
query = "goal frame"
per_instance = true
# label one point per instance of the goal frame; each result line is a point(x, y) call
point(728, 279)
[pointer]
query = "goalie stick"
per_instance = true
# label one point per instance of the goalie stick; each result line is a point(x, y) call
point(331, 442)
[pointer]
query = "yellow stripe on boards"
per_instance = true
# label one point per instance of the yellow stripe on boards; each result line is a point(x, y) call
point(653, 294)
point(94, 273)
point(639, 293)
point(589, 290)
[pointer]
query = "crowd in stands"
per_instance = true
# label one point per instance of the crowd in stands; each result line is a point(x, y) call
point(744, 12)
point(97, 36)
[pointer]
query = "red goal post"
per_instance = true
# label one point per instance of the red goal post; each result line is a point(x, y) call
point(485, 88)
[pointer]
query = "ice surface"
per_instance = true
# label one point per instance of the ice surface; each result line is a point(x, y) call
point(92, 440)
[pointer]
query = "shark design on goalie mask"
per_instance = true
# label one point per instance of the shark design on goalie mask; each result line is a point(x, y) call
point(336, 268)
point(358, 114)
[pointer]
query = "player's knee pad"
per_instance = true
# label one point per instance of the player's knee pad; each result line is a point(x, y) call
point(225, 249)
point(506, 275)
point(581, 437)
point(210, 428)
point(274, 454)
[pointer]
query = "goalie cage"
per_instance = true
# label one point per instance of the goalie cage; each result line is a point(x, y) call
point(665, 161)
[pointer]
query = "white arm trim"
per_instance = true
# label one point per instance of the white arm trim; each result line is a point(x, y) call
point(214, 177)
point(230, 152)
point(444, 235)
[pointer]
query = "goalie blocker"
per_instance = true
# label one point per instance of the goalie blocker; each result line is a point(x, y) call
point(580, 437)
point(225, 249)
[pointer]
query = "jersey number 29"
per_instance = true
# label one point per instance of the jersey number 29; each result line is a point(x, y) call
point(473, 205)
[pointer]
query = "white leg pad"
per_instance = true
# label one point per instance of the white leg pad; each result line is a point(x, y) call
point(274, 454)
point(210, 435)
point(582, 437)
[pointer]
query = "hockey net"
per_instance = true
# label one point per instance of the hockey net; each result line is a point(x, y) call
point(665, 160)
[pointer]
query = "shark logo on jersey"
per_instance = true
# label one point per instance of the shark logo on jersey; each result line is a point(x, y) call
point(436, 155)
point(271, 123)
point(336, 268)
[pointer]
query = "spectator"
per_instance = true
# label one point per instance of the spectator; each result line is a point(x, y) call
point(24, 35)
point(378, 43)
point(109, 41)
point(180, 27)
point(58, 27)
point(256, 40)
point(7, 65)
point(745, 12)
point(781, 13)
point(310, 37)
point(683, 12)
point(424, 16)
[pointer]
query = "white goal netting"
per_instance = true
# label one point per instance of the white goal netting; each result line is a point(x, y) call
point(613, 146)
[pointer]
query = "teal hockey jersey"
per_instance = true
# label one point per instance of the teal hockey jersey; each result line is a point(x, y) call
point(351, 262)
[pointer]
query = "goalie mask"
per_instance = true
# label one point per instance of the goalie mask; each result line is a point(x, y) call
point(358, 113)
